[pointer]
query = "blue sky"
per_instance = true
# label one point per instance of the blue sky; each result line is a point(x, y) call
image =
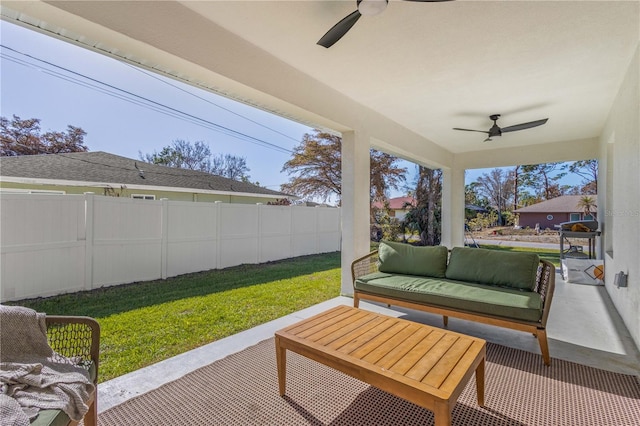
point(42, 77)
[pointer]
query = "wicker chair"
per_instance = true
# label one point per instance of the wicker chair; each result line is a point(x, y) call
point(79, 338)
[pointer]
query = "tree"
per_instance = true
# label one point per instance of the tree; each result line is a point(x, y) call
point(588, 205)
point(183, 155)
point(544, 178)
point(516, 186)
point(588, 170)
point(23, 137)
point(498, 189)
point(230, 166)
point(425, 217)
point(197, 156)
point(316, 170)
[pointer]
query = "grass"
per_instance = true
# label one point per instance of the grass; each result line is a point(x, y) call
point(550, 255)
point(147, 322)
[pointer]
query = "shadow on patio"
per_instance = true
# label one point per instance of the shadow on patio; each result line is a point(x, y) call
point(241, 388)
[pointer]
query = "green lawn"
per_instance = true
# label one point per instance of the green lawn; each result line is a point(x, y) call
point(147, 322)
point(550, 255)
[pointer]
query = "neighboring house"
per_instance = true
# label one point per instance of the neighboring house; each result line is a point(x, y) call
point(108, 174)
point(550, 213)
point(398, 207)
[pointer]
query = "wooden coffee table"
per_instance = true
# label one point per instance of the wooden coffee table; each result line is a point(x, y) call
point(426, 365)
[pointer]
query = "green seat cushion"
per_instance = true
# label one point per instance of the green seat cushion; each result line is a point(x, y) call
point(51, 418)
point(471, 297)
point(412, 260)
point(492, 267)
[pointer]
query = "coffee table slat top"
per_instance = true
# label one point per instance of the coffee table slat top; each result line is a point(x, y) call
point(418, 355)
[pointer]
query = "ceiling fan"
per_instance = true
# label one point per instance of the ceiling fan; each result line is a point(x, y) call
point(364, 7)
point(495, 130)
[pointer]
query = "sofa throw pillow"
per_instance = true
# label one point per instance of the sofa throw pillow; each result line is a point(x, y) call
point(492, 267)
point(399, 258)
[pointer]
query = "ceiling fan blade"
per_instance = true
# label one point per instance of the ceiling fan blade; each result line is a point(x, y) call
point(524, 125)
point(469, 130)
point(338, 30)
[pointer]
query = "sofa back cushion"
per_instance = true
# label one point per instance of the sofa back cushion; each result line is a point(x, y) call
point(398, 258)
point(492, 267)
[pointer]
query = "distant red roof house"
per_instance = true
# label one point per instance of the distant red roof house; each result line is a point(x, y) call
point(550, 213)
point(397, 206)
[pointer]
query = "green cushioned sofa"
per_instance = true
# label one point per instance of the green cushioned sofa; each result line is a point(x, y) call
point(507, 289)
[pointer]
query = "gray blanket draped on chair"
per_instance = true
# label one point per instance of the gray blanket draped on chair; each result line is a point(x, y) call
point(32, 375)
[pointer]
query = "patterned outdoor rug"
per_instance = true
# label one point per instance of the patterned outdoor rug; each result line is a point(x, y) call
point(242, 389)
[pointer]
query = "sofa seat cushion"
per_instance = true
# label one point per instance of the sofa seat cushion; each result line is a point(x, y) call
point(471, 297)
point(492, 267)
point(51, 418)
point(414, 260)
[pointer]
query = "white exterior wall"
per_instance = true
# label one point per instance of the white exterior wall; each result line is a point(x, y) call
point(619, 197)
point(52, 244)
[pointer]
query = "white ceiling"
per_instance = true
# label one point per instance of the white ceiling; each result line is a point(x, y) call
point(434, 66)
point(428, 67)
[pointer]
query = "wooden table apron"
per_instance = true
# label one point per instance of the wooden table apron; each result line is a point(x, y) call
point(392, 354)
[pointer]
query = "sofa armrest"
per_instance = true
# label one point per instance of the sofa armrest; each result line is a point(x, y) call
point(364, 265)
point(545, 286)
point(75, 337)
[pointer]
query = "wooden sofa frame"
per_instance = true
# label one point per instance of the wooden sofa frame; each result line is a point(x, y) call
point(545, 285)
point(77, 336)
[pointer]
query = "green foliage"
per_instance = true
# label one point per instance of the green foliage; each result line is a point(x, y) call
point(143, 323)
point(588, 205)
point(23, 137)
point(544, 179)
point(315, 169)
point(424, 218)
point(483, 221)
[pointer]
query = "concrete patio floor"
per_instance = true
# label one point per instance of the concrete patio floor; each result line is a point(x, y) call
point(583, 327)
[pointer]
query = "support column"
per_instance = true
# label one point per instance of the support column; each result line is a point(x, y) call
point(452, 207)
point(355, 202)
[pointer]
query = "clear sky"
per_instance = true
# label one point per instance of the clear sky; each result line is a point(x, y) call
point(118, 122)
point(123, 111)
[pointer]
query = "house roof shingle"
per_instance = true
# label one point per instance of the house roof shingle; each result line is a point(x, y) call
point(563, 204)
point(103, 168)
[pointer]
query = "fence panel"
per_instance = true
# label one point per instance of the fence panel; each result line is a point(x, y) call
point(127, 237)
point(42, 247)
point(52, 244)
point(329, 235)
point(304, 230)
point(238, 234)
point(275, 233)
point(192, 234)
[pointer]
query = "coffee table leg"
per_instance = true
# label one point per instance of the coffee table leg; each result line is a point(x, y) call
point(442, 414)
point(480, 382)
point(281, 361)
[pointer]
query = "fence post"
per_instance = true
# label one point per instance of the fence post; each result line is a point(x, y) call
point(164, 235)
point(88, 239)
point(259, 232)
point(317, 230)
point(218, 235)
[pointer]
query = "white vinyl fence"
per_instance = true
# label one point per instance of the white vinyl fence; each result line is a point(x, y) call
point(52, 244)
